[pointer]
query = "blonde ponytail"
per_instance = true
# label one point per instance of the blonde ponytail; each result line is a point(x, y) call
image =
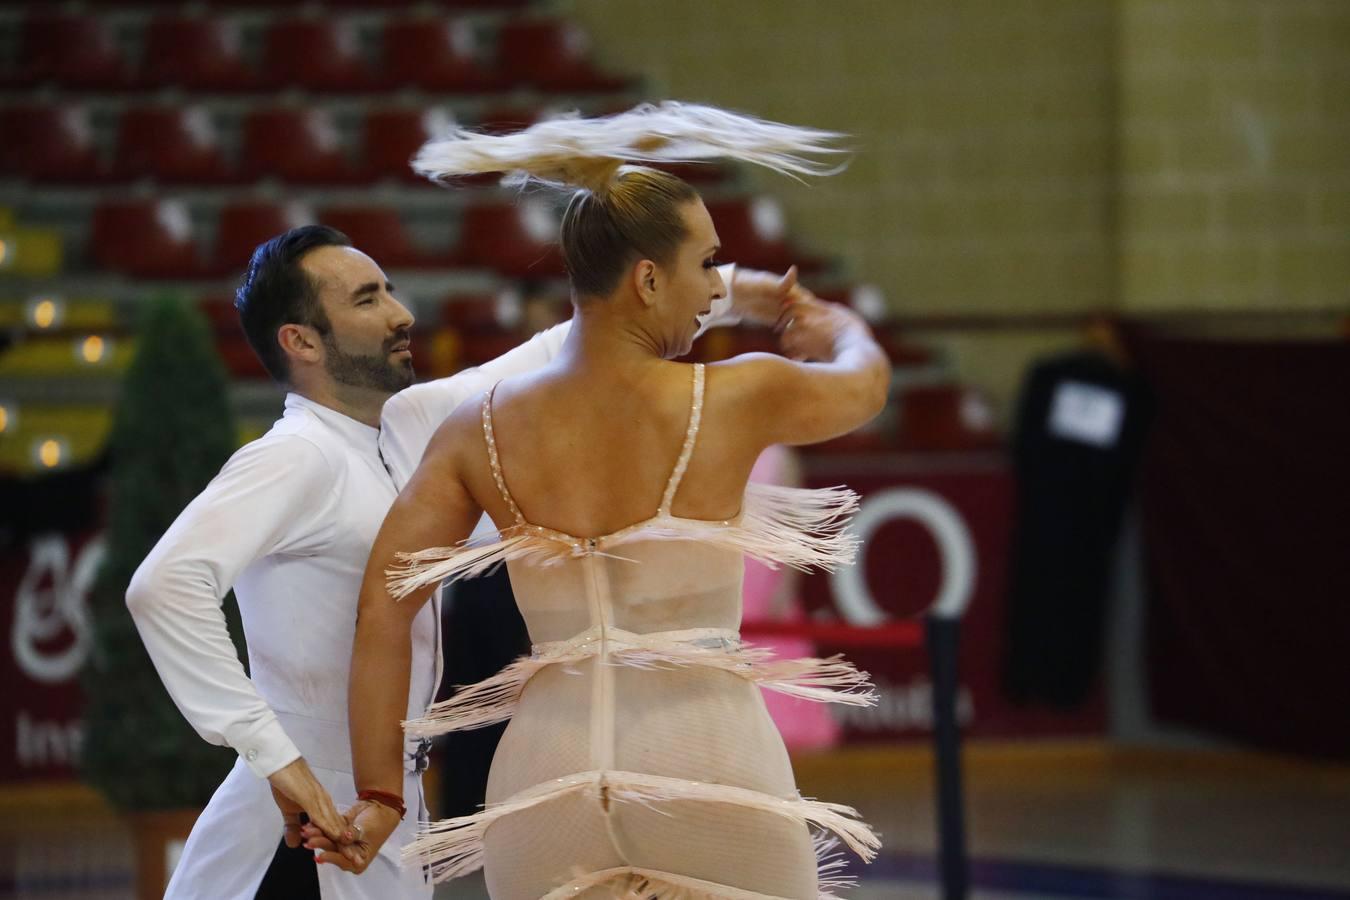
point(572, 152)
point(621, 212)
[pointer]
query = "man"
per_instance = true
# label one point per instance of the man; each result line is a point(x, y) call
point(289, 523)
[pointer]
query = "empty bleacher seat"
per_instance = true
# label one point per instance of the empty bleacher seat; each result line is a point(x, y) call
point(481, 328)
point(170, 144)
point(517, 240)
point(753, 234)
point(553, 56)
point(378, 232)
point(200, 54)
point(243, 226)
point(435, 54)
point(49, 143)
point(393, 136)
point(75, 51)
point(144, 239)
point(318, 54)
point(298, 145)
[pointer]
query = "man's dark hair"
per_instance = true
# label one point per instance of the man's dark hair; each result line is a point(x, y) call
point(276, 291)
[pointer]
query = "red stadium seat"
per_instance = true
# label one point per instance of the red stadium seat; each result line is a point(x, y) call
point(318, 54)
point(197, 54)
point(484, 327)
point(752, 234)
point(49, 143)
point(379, 233)
point(368, 4)
point(243, 226)
point(393, 136)
point(177, 145)
point(238, 356)
point(301, 146)
point(517, 240)
point(144, 239)
point(552, 56)
point(73, 51)
point(435, 54)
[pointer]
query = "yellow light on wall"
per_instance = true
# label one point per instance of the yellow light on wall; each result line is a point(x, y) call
point(4, 251)
point(44, 312)
point(93, 350)
point(8, 419)
point(50, 452)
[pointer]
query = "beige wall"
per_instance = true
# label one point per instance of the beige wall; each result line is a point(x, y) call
point(983, 131)
point(1039, 156)
point(1235, 154)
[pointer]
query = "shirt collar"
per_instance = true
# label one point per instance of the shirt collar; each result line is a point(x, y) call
point(358, 434)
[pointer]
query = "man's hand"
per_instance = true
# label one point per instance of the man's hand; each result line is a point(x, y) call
point(758, 296)
point(370, 825)
point(290, 814)
point(296, 790)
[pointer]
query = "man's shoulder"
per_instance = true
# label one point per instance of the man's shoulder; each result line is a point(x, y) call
point(429, 403)
point(293, 440)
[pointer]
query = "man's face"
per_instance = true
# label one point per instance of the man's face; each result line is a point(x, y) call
point(367, 345)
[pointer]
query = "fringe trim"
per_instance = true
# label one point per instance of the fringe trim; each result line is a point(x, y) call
point(494, 699)
point(454, 847)
point(631, 883)
point(802, 528)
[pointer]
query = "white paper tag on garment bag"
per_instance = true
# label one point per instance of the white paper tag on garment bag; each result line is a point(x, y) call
point(1087, 413)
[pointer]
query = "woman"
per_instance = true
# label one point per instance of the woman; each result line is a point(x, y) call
point(640, 760)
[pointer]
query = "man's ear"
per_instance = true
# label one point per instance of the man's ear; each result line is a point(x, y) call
point(646, 281)
point(300, 342)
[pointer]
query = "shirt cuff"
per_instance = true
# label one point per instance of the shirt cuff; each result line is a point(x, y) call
point(265, 748)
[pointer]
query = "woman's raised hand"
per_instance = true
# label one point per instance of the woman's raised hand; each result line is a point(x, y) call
point(809, 328)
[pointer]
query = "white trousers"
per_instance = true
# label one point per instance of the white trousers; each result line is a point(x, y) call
point(236, 836)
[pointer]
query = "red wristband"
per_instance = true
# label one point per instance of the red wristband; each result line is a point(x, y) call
point(384, 798)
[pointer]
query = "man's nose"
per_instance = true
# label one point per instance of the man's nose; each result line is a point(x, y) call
point(402, 317)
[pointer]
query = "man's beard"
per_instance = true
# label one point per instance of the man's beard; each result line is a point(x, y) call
point(376, 373)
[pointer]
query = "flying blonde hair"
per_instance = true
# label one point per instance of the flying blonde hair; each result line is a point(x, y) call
point(572, 152)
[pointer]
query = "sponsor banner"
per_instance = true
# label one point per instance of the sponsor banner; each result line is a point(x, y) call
point(936, 532)
point(43, 602)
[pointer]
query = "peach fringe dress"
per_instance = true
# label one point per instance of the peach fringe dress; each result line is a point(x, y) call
point(640, 761)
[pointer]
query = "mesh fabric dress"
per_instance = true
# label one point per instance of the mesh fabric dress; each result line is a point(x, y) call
point(640, 761)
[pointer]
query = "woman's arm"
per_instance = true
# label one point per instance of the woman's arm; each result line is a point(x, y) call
point(434, 510)
point(836, 379)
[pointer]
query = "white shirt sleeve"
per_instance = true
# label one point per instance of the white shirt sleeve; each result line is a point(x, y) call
point(412, 416)
point(275, 495)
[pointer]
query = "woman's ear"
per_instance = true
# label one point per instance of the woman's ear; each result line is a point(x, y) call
point(646, 281)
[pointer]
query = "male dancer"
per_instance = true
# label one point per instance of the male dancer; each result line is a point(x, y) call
point(289, 523)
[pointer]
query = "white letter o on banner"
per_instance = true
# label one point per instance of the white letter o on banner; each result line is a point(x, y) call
point(956, 547)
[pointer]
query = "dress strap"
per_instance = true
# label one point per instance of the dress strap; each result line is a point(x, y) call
point(690, 436)
point(493, 461)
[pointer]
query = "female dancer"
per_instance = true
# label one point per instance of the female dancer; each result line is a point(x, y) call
point(640, 760)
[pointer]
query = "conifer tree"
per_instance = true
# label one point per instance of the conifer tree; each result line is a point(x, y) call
point(172, 431)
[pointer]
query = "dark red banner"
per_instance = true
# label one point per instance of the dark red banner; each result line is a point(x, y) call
point(46, 581)
point(936, 531)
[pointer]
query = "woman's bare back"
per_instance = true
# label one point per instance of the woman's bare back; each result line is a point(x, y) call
point(588, 454)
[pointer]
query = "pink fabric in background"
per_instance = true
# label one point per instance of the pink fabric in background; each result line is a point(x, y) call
point(772, 596)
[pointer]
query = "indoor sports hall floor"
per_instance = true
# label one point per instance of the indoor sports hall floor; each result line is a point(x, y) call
point(1076, 821)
